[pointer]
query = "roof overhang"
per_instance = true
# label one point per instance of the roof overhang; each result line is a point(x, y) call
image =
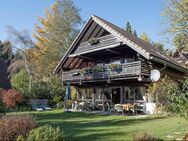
point(169, 64)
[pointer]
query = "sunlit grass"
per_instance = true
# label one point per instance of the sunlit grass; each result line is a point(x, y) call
point(84, 126)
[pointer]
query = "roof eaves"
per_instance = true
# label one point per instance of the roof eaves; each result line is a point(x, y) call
point(56, 70)
point(168, 63)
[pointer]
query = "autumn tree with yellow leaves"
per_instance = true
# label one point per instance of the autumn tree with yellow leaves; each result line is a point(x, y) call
point(175, 14)
point(54, 33)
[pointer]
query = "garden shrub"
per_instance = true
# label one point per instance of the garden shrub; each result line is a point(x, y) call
point(68, 104)
point(10, 97)
point(65, 104)
point(46, 132)
point(20, 138)
point(60, 105)
point(12, 126)
point(145, 137)
point(2, 109)
point(57, 98)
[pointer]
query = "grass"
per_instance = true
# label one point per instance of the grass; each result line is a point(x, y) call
point(84, 126)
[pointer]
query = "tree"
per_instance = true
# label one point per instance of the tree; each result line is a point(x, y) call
point(159, 46)
point(20, 82)
point(10, 98)
point(145, 37)
point(40, 89)
point(54, 33)
point(6, 52)
point(128, 27)
point(178, 97)
point(181, 42)
point(22, 43)
point(175, 15)
point(135, 33)
point(160, 91)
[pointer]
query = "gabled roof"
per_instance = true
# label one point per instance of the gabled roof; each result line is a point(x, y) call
point(142, 47)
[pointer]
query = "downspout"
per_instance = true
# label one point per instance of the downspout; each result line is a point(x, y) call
point(163, 67)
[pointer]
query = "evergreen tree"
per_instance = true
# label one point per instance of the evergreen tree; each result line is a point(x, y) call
point(128, 27)
point(135, 33)
point(6, 51)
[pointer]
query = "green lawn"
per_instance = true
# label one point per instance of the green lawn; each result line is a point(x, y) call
point(84, 126)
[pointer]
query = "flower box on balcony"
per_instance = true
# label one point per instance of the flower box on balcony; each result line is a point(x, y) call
point(115, 68)
point(75, 73)
point(93, 41)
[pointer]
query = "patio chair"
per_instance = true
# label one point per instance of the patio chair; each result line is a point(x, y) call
point(119, 108)
point(133, 109)
point(140, 108)
point(84, 106)
point(110, 108)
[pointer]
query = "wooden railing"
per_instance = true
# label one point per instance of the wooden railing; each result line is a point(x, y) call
point(102, 42)
point(127, 70)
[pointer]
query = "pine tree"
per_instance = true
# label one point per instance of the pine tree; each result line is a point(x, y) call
point(128, 27)
point(135, 34)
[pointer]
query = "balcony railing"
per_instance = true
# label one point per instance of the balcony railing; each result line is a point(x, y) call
point(110, 71)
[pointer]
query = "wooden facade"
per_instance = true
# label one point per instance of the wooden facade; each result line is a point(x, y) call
point(107, 63)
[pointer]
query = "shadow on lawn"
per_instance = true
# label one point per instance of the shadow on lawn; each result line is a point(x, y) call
point(84, 126)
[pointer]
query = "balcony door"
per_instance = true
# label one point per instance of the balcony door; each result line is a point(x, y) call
point(116, 95)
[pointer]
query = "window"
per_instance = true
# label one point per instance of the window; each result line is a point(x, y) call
point(133, 93)
point(86, 93)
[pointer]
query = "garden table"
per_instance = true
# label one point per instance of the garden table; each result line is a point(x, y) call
point(128, 106)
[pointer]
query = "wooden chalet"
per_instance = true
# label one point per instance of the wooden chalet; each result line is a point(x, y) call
point(106, 63)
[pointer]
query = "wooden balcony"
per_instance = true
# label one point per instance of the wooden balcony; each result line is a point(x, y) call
point(106, 72)
point(108, 41)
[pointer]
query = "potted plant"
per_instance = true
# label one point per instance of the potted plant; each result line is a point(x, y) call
point(75, 72)
point(98, 69)
point(87, 71)
point(115, 67)
point(93, 41)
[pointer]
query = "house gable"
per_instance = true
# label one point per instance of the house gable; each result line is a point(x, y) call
point(98, 27)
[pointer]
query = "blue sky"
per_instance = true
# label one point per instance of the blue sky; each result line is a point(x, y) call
point(144, 15)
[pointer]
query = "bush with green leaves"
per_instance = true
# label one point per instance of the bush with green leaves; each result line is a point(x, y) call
point(178, 98)
point(65, 104)
point(172, 95)
point(57, 99)
point(60, 105)
point(45, 133)
point(159, 92)
point(48, 89)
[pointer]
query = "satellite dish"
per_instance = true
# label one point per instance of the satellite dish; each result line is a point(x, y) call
point(155, 75)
